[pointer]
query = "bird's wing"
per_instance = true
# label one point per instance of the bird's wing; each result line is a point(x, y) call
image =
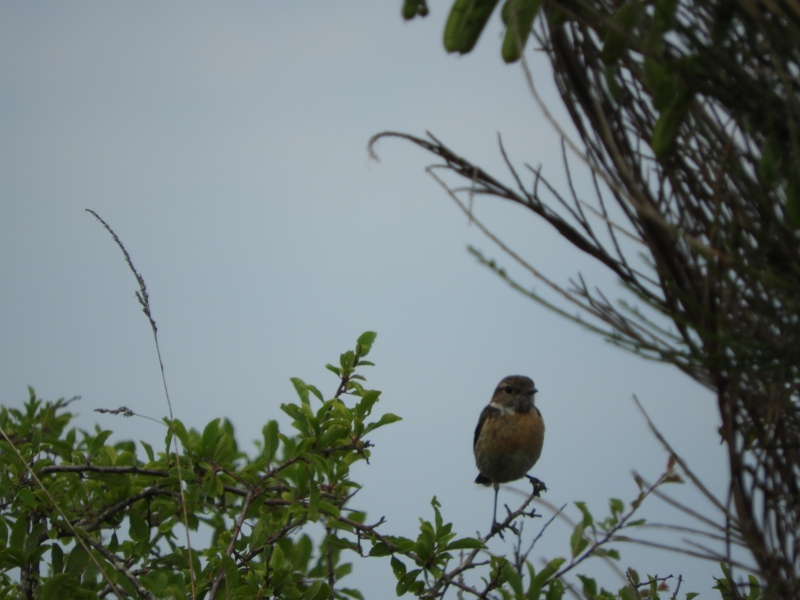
point(487, 412)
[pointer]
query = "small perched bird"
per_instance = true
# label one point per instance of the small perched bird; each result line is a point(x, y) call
point(509, 436)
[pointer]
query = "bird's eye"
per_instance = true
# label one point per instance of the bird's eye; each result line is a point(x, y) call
point(509, 390)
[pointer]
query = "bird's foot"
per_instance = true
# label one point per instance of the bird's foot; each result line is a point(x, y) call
point(538, 485)
point(498, 529)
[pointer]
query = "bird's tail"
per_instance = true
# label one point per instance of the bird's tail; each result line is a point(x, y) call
point(483, 480)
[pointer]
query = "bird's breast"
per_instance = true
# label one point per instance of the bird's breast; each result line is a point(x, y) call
point(509, 444)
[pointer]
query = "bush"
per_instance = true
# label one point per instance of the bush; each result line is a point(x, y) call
point(84, 518)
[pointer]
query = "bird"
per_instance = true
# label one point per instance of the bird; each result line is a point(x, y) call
point(509, 436)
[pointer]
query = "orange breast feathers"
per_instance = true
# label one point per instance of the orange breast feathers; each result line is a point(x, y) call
point(508, 443)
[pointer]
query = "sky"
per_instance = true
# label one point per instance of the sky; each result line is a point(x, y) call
point(226, 144)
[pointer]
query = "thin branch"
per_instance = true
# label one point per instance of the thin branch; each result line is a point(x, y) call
point(689, 473)
point(100, 469)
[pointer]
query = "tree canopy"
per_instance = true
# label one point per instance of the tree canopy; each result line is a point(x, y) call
point(687, 115)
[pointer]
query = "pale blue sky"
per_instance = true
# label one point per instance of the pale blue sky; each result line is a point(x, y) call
point(226, 144)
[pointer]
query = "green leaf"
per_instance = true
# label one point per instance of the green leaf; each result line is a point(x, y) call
point(317, 395)
point(500, 569)
point(138, 530)
point(411, 8)
point(149, 451)
point(347, 361)
point(319, 590)
point(587, 516)
point(329, 509)
point(332, 434)
point(404, 545)
point(31, 542)
point(398, 567)
point(551, 568)
point(589, 586)
point(271, 439)
point(555, 591)
point(180, 431)
point(10, 558)
point(301, 553)
point(628, 593)
point(77, 560)
point(364, 343)
point(295, 412)
point(618, 34)
point(27, 497)
point(465, 544)
point(653, 588)
point(667, 125)
point(616, 506)
point(166, 526)
point(57, 558)
point(186, 474)
point(209, 439)
point(320, 463)
point(520, 17)
point(513, 579)
point(426, 540)
point(386, 419)
point(18, 531)
point(231, 574)
point(408, 579)
point(755, 588)
point(368, 400)
point(664, 17)
point(661, 84)
point(380, 549)
point(58, 587)
point(301, 388)
point(224, 449)
point(99, 441)
point(167, 440)
point(610, 553)
point(336, 370)
point(465, 23)
point(277, 559)
point(577, 541)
